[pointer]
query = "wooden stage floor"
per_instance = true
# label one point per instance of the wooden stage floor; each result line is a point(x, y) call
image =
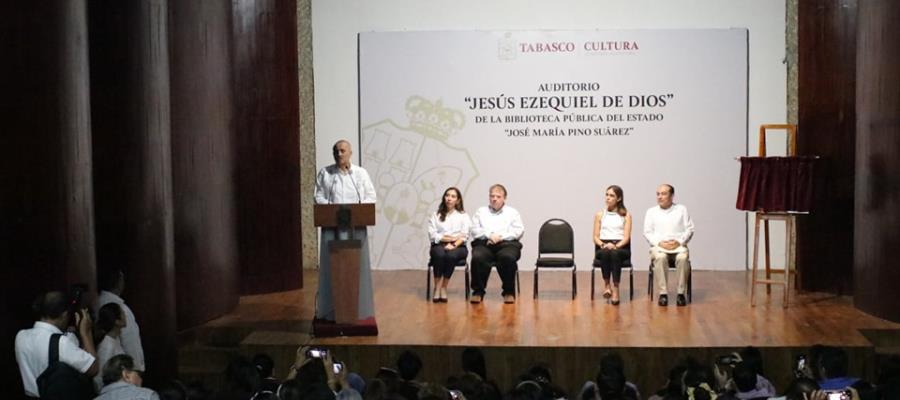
point(720, 315)
point(569, 335)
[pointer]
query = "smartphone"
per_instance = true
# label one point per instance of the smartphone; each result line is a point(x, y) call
point(316, 353)
point(844, 394)
point(338, 367)
point(800, 366)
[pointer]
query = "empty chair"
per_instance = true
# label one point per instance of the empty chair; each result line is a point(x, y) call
point(556, 249)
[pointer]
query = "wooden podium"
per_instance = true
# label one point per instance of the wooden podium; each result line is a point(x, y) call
point(345, 252)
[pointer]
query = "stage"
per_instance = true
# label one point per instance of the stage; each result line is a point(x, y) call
point(569, 334)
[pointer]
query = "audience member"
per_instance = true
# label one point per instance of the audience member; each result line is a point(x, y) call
point(123, 382)
point(525, 390)
point(471, 386)
point(698, 381)
point(173, 390)
point(745, 385)
point(110, 321)
point(889, 378)
point(833, 367)
point(540, 373)
point(799, 389)
point(266, 366)
point(433, 391)
point(408, 366)
point(112, 286)
point(473, 362)
point(673, 388)
point(33, 345)
point(241, 380)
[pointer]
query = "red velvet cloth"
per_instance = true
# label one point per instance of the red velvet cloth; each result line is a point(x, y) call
point(776, 184)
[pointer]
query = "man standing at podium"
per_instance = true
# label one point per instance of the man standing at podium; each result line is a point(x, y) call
point(343, 183)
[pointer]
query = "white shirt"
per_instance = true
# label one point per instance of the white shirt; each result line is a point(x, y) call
point(612, 226)
point(335, 186)
point(33, 353)
point(109, 347)
point(455, 224)
point(131, 333)
point(506, 222)
point(122, 390)
point(673, 223)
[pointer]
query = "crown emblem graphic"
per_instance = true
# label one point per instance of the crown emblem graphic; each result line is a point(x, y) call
point(432, 119)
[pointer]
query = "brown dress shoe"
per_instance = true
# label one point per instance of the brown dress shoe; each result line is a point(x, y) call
point(509, 299)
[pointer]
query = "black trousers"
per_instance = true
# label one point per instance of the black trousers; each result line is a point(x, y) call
point(444, 261)
point(611, 260)
point(504, 255)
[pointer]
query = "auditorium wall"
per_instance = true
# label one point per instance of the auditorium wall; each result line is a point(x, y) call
point(335, 27)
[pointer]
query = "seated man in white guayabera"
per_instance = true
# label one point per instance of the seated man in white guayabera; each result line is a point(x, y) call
point(668, 228)
point(343, 183)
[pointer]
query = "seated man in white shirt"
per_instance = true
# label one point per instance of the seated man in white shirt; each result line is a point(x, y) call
point(668, 228)
point(496, 230)
point(33, 345)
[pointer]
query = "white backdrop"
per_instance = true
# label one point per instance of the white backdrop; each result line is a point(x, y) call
point(337, 24)
point(556, 116)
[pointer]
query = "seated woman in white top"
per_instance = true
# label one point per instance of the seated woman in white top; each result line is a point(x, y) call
point(612, 241)
point(110, 321)
point(448, 230)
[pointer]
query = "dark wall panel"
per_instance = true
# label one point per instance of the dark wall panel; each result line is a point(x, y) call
point(267, 144)
point(202, 162)
point(132, 166)
point(878, 160)
point(827, 126)
point(46, 226)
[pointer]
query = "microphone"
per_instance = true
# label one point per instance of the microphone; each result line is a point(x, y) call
point(353, 181)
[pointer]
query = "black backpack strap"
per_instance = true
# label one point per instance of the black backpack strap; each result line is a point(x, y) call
point(54, 348)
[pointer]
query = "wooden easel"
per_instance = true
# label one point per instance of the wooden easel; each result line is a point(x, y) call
point(790, 220)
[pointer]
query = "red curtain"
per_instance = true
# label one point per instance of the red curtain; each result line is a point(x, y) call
point(776, 184)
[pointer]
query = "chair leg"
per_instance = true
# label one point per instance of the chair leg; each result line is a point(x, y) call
point(518, 285)
point(592, 283)
point(650, 283)
point(468, 285)
point(535, 291)
point(690, 288)
point(631, 284)
point(574, 284)
point(428, 283)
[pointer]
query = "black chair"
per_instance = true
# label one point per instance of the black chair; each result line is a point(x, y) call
point(690, 280)
point(625, 264)
point(464, 262)
point(556, 237)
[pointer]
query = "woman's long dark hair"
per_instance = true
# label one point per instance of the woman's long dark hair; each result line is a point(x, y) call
point(106, 319)
point(442, 209)
point(620, 204)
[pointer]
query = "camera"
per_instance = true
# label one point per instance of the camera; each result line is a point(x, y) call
point(338, 367)
point(729, 359)
point(76, 300)
point(843, 394)
point(800, 366)
point(316, 353)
